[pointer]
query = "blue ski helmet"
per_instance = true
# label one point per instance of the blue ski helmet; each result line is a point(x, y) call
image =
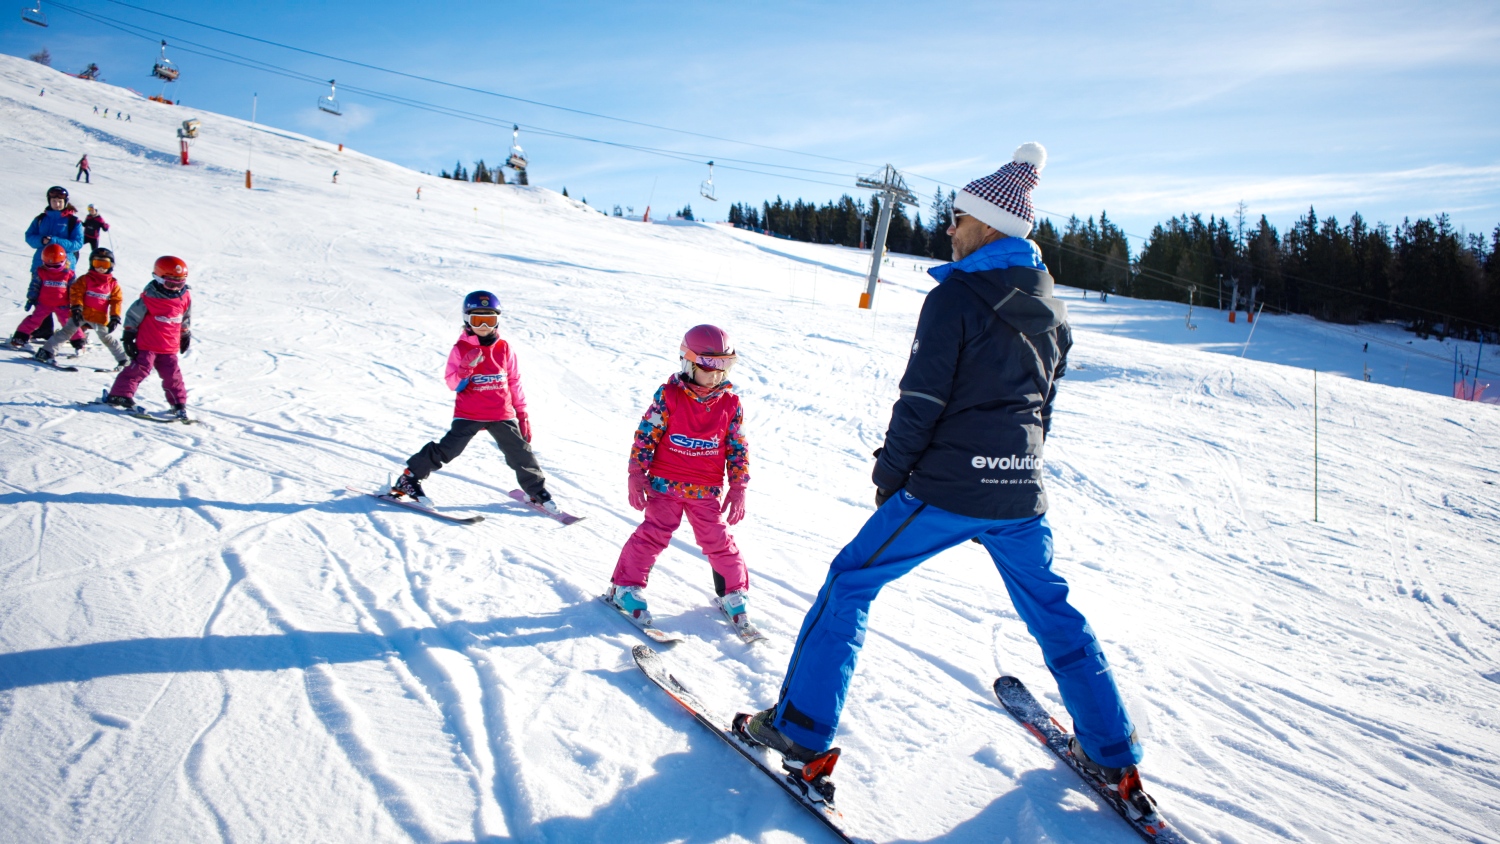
point(481, 300)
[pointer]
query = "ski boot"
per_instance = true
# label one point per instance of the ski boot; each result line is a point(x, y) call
point(735, 607)
point(19, 340)
point(179, 412)
point(122, 402)
point(630, 600)
point(43, 355)
point(806, 768)
point(544, 500)
point(1123, 782)
point(407, 486)
point(78, 346)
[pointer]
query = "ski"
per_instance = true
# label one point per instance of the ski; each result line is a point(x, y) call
point(565, 518)
point(654, 633)
point(654, 667)
point(137, 413)
point(412, 505)
point(1021, 704)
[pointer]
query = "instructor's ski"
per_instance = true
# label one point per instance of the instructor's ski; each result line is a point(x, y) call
point(1019, 702)
point(412, 505)
point(565, 518)
point(655, 667)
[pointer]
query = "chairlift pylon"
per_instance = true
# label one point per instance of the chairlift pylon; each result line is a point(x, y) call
point(328, 103)
point(164, 69)
point(517, 159)
point(707, 188)
point(35, 16)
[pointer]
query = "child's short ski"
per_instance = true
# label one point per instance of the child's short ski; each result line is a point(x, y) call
point(654, 633)
point(1019, 702)
point(654, 667)
point(412, 505)
point(141, 413)
point(565, 518)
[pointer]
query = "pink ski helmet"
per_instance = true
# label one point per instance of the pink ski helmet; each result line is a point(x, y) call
point(707, 347)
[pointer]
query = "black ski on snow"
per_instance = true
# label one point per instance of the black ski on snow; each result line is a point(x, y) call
point(654, 667)
point(136, 412)
point(412, 505)
point(1019, 702)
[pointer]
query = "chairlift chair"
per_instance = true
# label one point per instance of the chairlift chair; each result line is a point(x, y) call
point(164, 69)
point(91, 72)
point(329, 103)
point(517, 160)
point(707, 188)
point(35, 16)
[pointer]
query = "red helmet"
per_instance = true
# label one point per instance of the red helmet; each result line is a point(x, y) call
point(170, 270)
point(54, 255)
point(708, 347)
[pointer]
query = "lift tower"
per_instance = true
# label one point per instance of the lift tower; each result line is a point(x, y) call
point(892, 189)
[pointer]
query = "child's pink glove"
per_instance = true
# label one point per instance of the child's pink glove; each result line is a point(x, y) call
point(478, 356)
point(734, 502)
point(525, 424)
point(638, 487)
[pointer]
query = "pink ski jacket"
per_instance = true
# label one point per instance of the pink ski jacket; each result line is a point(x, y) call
point(489, 390)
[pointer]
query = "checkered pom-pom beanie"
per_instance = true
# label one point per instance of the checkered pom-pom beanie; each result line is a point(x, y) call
point(1002, 200)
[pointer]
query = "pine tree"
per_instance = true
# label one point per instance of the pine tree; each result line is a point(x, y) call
point(41, 57)
point(565, 190)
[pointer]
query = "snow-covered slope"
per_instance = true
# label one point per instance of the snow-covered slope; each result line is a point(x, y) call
point(203, 636)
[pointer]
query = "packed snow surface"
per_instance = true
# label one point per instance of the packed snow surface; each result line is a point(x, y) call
point(204, 636)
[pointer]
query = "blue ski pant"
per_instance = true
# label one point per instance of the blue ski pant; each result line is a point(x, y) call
point(900, 536)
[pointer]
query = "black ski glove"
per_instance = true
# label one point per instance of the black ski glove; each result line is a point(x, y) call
point(114, 322)
point(76, 312)
point(128, 340)
point(30, 303)
point(187, 340)
point(883, 495)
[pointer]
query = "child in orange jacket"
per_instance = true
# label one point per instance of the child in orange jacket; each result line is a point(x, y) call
point(94, 301)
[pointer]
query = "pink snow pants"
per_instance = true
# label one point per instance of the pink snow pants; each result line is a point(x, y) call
point(39, 314)
point(663, 515)
point(130, 378)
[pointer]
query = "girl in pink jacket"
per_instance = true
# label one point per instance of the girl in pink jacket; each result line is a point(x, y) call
point(482, 370)
point(688, 441)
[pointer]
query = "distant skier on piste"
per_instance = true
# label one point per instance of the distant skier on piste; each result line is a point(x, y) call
point(689, 439)
point(48, 296)
point(962, 460)
point(483, 371)
point(94, 303)
point(158, 328)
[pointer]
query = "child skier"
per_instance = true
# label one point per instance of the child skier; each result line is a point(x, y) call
point(47, 296)
point(94, 303)
point(93, 223)
point(158, 327)
point(686, 440)
point(483, 371)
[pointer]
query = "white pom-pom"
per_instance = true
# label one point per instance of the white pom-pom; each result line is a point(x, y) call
point(1033, 153)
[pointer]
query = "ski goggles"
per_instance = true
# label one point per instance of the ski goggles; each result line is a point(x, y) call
point(101, 263)
point(476, 320)
point(717, 363)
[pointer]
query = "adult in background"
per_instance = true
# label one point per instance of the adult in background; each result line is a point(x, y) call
point(83, 170)
point(58, 224)
point(93, 223)
point(962, 460)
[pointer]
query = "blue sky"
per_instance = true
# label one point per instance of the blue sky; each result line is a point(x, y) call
point(1147, 110)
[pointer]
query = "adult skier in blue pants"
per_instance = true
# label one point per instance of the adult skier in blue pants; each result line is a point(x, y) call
point(962, 460)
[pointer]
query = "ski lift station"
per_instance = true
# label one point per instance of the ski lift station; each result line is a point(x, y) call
point(163, 69)
point(330, 103)
point(34, 15)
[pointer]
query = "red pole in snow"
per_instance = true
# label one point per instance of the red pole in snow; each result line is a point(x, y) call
point(183, 141)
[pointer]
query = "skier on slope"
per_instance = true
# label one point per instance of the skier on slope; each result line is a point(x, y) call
point(48, 295)
point(94, 304)
point(93, 223)
point(484, 373)
point(56, 224)
point(158, 328)
point(688, 438)
point(963, 460)
point(83, 171)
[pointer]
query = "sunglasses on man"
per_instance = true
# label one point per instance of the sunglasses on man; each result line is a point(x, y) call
point(954, 214)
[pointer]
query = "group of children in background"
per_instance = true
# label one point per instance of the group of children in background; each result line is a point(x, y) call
point(156, 329)
point(689, 450)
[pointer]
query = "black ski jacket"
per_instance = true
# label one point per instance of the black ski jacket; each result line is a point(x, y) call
point(976, 399)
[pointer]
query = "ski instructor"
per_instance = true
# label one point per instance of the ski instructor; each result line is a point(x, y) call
point(962, 460)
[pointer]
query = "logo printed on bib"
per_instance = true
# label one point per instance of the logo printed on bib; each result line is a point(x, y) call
point(693, 443)
point(481, 380)
point(1014, 461)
